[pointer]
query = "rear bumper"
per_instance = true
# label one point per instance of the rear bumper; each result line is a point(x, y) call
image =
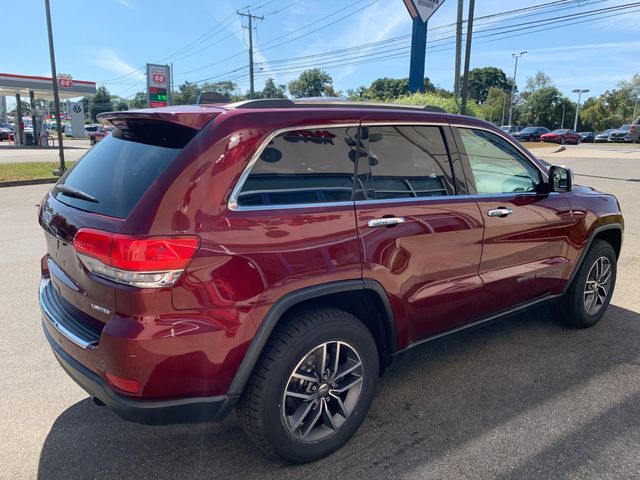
point(189, 410)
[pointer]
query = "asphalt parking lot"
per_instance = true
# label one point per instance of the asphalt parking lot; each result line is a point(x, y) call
point(522, 398)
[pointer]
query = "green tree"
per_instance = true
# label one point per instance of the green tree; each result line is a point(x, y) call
point(100, 102)
point(187, 94)
point(357, 94)
point(224, 87)
point(86, 105)
point(271, 90)
point(496, 106)
point(310, 83)
point(543, 107)
point(140, 99)
point(482, 79)
point(387, 88)
point(538, 81)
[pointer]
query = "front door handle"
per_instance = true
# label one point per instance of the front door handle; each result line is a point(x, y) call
point(385, 222)
point(499, 212)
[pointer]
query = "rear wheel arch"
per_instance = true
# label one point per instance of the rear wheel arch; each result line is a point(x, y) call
point(366, 300)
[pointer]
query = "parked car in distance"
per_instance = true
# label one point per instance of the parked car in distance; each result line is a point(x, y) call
point(6, 130)
point(620, 135)
point(511, 129)
point(562, 136)
point(97, 134)
point(634, 131)
point(277, 255)
point(603, 137)
point(530, 134)
point(587, 137)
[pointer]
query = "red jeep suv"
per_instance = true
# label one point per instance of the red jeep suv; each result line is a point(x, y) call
point(276, 255)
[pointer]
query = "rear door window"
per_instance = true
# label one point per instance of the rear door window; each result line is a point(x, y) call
point(303, 167)
point(407, 162)
point(120, 169)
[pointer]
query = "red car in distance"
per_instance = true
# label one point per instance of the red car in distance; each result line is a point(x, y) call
point(562, 136)
point(97, 133)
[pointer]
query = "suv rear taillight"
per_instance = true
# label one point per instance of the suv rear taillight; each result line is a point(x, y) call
point(146, 262)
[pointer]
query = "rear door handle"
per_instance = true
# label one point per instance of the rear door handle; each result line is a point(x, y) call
point(385, 222)
point(499, 212)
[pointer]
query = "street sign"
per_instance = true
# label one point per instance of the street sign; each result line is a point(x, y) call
point(422, 9)
point(158, 79)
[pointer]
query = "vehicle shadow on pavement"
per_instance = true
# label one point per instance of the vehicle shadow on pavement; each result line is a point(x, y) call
point(522, 398)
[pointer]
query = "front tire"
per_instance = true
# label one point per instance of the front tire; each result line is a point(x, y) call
point(589, 295)
point(312, 387)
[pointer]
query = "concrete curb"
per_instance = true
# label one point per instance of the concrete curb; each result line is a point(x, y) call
point(35, 181)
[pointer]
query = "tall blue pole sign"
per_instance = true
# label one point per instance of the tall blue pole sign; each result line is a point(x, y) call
point(420, 11)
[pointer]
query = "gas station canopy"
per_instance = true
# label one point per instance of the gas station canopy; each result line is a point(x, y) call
point(42, 87)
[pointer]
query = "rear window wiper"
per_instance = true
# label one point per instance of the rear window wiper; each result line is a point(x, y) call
point(74, 192)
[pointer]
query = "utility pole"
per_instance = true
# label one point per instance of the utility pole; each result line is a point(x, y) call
point(513, 85)
point(250, 17)
point(504, 108)
point(467, 58)
point(56, 97)
point(579, 92)
point(635, 109)
point(564, 107)
point(456, 81)
point(171, 83)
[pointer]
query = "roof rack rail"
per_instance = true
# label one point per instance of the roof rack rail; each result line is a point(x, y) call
point(328, 103)
point(264, 103)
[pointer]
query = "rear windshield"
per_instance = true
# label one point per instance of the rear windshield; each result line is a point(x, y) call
point(120, 169)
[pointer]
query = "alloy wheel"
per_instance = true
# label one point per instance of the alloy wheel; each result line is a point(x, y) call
point(598, 285)
point(322, 391)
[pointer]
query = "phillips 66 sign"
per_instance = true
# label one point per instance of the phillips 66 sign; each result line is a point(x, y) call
point(157, 85)
point(422, 9)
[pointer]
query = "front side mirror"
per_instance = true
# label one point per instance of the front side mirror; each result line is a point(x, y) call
point(560, 179)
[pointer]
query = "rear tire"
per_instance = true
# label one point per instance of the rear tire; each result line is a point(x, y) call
point(294, 409)
point(588, 296)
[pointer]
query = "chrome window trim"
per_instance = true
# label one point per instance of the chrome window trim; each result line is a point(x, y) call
point(516, 145)
point(289, 206)
point(465, 197)
point(232, 204)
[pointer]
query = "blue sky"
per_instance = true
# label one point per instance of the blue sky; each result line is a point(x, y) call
point(108, 41)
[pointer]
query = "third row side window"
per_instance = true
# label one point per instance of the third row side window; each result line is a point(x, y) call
point(303, 167)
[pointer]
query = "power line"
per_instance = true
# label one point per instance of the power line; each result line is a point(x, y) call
point(378, 57)
point(566, 4)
